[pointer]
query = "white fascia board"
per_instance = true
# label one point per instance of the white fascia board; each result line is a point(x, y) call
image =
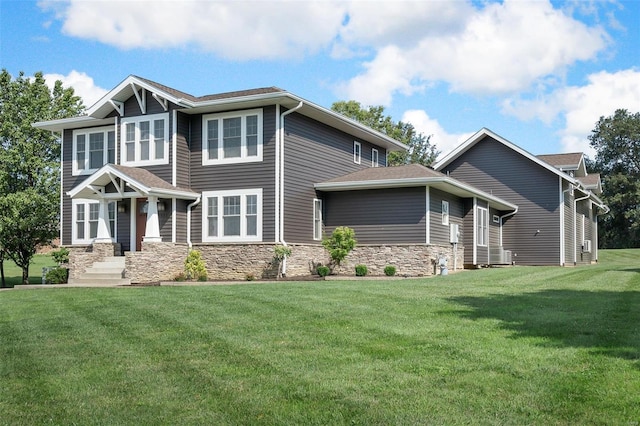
point(469, 191)
point(169, 193)
point(466, 145)
point(126, 85)
point(104, 171)
point(309, 107)
point(72, 123)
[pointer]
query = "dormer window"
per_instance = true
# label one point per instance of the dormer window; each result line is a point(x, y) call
point(144, 140)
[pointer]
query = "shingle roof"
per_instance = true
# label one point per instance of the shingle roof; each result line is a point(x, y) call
point(590, 180)
point(410, 171)
point(146, 178)
point(562, 160)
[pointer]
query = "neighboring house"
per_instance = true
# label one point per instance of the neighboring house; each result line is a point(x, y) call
point(558, 205)
point(150, 172)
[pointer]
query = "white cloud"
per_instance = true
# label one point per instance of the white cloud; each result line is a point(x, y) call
point(239, 30)
point(582, 106)
point(82, 84)
point(428, 126)
point(502, 48)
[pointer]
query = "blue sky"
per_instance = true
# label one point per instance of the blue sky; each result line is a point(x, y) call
point(539, 73)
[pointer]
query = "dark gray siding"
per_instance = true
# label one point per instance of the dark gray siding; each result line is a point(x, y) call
point(584, 230)
point(379, 216)
point(182, 137)
point(494, 168)
point(494, 229)
point(569, 245)
point(468, 231)
point(236, 176)
point(123, 222)
point(440, 234)
point(314, 153)
point(181, 220)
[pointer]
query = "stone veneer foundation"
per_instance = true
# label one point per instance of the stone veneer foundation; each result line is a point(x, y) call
point(164, 261)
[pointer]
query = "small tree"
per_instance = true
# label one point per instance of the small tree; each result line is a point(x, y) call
point(194, 267)
point(280, 252)
point(340, 244)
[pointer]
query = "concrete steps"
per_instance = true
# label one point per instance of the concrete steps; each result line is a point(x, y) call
point(110, 271)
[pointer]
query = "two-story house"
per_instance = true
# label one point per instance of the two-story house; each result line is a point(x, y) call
point(150, 172)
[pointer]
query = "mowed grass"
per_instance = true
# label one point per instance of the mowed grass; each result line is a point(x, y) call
point(13, 274)
point(523, 345)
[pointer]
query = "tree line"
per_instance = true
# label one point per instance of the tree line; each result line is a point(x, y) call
point(30, 164)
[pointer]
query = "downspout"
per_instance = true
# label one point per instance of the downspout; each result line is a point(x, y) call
point(189, 207)
point(563, 238)
point(575, 227)
point(605, 209)
point(284, 243)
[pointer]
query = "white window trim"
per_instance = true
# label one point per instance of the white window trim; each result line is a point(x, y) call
point(123, 140)
point(375, 157)
point(357, 152)
point(485, 226)
point(445, 212)
point(244, 158)
point(75, 171)
point(74, 231)
point(243, 212)
point(317, 232)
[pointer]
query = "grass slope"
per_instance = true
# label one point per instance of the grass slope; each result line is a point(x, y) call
point(524, 345)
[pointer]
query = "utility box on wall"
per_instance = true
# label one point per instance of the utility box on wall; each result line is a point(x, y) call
point(454, 233)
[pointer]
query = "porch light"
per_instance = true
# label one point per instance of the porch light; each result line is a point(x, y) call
point(122, 208)
point(161, 206)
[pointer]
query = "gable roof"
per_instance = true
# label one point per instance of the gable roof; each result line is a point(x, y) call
point(411, 175)
point(141, 180)
point(567, 162)
point(592, 182)
point(484, 132)
point(244, 99)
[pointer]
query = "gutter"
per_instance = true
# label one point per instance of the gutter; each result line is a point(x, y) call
point(575, 226)
point(505, 216)
point(281, 186)
point(189, 207)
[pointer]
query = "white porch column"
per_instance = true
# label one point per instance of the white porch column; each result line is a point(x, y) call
point(103, 223)
point(152, 232)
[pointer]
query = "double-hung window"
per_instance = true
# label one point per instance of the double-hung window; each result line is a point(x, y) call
point(374, 157)
point(317, 219)
point(234, 215)
point(92, 149)
point(234, 137)
point(86, 214)
point(357, 152)
point(145, 140)
point(482, 230)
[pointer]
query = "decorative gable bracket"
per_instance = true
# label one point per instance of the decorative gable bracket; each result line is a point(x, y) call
point(142, 100)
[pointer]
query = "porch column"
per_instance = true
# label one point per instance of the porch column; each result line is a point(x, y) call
point(152, 233)
point(103, 235)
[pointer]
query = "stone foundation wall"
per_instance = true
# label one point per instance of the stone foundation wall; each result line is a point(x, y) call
point(82, 257)
point(411, 260)
point(156, 262)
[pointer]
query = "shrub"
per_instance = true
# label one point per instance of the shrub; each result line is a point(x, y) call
point(180, 277)
point(279, 253)
point(61, 256)
point(323, 271)
point(361, 270)
point(194, 267)
point(249, 277)
point(57, 276)
point(389, 270)
point(340, 244)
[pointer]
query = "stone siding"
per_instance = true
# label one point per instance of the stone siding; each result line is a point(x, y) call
point(155, 262)
point(82, 257)
point(411, 260)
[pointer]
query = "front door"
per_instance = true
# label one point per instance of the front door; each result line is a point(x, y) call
point(141, 221)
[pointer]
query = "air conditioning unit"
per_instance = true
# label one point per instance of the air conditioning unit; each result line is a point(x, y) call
point(586, 246)
point(499, 256)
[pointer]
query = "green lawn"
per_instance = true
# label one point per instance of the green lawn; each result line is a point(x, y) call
point(13, 274)
point(516, 346)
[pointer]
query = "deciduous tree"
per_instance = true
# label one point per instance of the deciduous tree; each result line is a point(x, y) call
point(420, 151)
point(30, 163)
point(616, 140)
